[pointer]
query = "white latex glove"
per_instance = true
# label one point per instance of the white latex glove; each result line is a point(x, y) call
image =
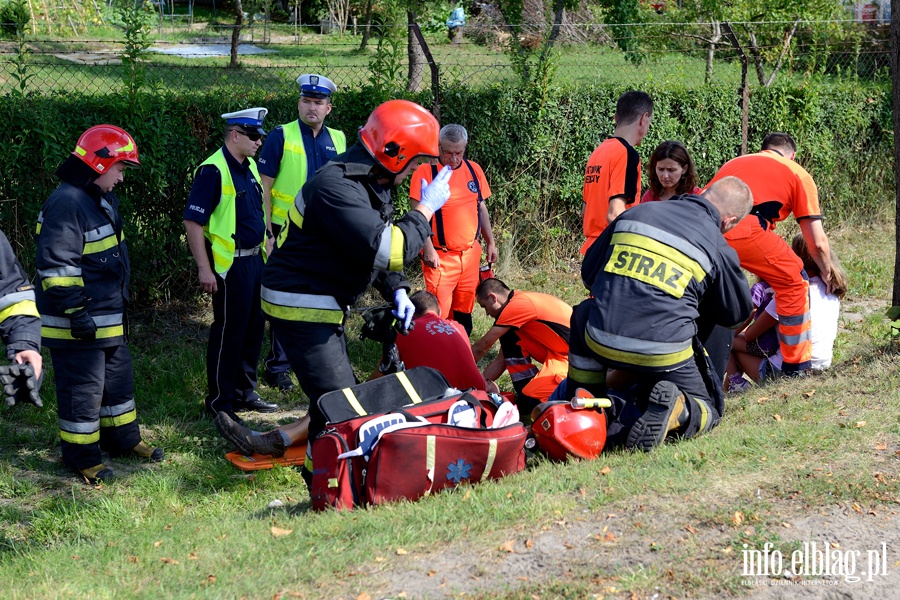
point(436, 193)
point(403, 308)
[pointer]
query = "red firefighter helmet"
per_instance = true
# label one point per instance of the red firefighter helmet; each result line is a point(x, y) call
point(562, 431)
point(399, 131)
point(102, 146)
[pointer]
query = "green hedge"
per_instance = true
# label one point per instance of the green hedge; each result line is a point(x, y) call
point(533, 149)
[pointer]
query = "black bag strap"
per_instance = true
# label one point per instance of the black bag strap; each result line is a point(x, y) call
point(439, 217)
point(480, 197)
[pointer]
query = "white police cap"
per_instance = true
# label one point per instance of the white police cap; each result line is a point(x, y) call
point(316, 86)
point(250, 118)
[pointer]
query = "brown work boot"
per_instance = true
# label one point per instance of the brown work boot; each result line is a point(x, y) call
point(248, 441)
point(97, 474)
point(144, 451)
point(666, 412)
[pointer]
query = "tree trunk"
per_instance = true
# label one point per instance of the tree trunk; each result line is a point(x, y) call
point(895, 69)
point(745, 85)
point(236, 33)
point(367, 28)
point(711, 51)
point(559, 11)
point(414, 54)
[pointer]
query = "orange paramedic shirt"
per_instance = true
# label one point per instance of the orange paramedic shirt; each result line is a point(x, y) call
point(460, 214)
point(541, 321)
point(614, 169)
point(780, 187)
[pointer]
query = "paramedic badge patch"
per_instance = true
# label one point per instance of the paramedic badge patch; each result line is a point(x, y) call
point(472, 187)
point(459, 470)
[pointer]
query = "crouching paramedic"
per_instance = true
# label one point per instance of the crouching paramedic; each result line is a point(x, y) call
point(528, 325)
point(340, 237)
point(653, 275)
point(83, 269)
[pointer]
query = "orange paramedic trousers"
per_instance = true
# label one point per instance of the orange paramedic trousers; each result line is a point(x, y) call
point(454, 282)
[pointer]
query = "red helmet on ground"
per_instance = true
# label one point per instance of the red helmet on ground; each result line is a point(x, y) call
point(102, 146)
point(563, 431)
point(399, 131)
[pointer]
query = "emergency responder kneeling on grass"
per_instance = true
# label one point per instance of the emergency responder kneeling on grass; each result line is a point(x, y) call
point(340, 237)
point(83, 269)
point(528, 325)
point(654, 274)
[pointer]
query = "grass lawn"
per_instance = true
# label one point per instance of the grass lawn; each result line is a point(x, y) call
point(812, 459)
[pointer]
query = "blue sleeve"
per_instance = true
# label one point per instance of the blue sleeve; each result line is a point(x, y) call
point(269, 160)
point(205, 194)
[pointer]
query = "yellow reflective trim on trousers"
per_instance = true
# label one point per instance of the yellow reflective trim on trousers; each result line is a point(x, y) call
point(492, 455)
point(307, 315)
point(582, 376)
point(101, 245)
point(704, 415)
point(118, 420)
point(640, 360)
point(354, 403)
point(23, 308)
point(407, 385)
point(643, 242)
point(395, 262)
point(80, 438)
point(65, 334)
point(61, 282)
point(37, 229)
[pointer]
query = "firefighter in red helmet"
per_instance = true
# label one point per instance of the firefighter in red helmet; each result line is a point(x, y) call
point(83, 274)
point(341, 236)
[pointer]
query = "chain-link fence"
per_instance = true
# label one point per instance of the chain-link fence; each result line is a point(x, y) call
point(583, 53)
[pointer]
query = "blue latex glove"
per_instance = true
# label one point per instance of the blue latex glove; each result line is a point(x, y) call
point(436, 193)
point(403, 308)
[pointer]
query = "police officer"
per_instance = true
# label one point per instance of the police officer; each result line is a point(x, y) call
point(83, 269)
point(341, 236)
point(655, 273)
point(226, 231)
point(291, 154)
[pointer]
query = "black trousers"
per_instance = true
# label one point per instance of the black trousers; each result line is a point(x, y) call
point(317, 353)
point(95, 403)
point(236, 334)
point(276, 360)
point(696, 379)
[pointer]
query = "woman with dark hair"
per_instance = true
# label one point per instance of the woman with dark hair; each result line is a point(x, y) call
point(671, 172)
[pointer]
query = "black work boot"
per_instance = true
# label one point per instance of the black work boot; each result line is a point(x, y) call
point(248, 441)
point(98, 473)
point(666, 412)
point(142, 450)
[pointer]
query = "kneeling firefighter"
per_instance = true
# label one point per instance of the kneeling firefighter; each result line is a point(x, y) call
point(83, 273)
point(340, 237)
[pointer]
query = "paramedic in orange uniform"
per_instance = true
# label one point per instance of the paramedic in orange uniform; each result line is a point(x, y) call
point(528, 325)
point(450, 262)
point(612, 178)
point(780, 187)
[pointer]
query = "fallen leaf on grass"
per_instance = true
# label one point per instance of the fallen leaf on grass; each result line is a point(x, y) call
point(567, 545)
point(402, 552)
point(170, 561)
point(786, 525)
point(507, 547)
point(279, 532)
point(810, 393)
point(192, 556)
point(727, 550)
point(210, 579)
point(134, 559)
point(431, 573)
point(777, 417)
point(737, 518)
point(609, 536)
point(690, 530)
point(157, 544)
point(605, 470)
point(467, 495)
point(522, 578)
point(529, 544)
point(76, 557)
point(835, 545)
point(379, 559)
point(860, 424)
point(881, 446)
point(168, 527)
point(762, 399)
point(857, 508)
point(364, 596)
